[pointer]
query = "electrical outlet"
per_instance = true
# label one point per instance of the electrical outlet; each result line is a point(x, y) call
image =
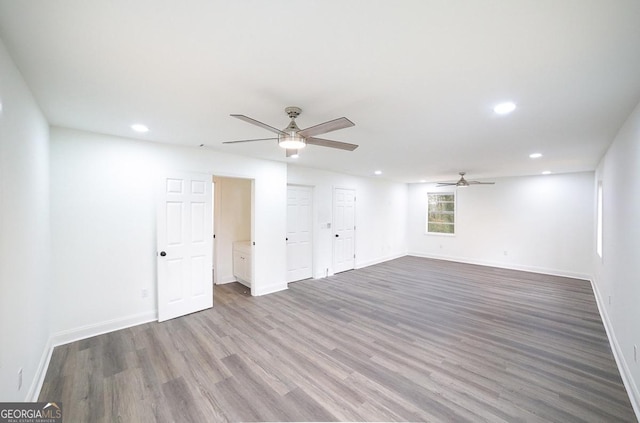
point(20, 378)
point(635, 353)
point(145, 293)
point(505, 252)
point(609, 299)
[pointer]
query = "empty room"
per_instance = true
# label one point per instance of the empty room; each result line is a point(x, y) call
point(320, 210)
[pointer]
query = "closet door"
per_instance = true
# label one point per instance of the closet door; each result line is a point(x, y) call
point(344, 229)
point(299, 232)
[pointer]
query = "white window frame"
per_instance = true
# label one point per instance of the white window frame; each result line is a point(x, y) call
point(455, 212)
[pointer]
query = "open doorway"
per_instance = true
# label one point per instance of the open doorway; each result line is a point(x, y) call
point(233, 241)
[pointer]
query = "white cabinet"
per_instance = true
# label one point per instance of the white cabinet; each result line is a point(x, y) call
point(242, 262)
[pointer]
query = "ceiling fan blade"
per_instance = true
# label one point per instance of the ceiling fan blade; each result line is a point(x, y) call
point(446, 184)
point(480, 183)
point(323, 128)
point(257, 139)
point(333, 144)
point(260, 124)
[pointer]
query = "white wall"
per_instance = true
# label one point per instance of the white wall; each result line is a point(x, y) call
point(381, 210)
point(544, 223)
point(232, 223)
point(617, 274)
point(104, 234)
point(25, 288)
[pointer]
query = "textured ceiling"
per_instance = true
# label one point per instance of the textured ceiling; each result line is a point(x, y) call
point(418, 78)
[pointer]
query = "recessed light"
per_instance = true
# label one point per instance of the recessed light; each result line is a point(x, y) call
point(504, 108)
point(139, 128)
point(378, 172)
point(546, 172)
point(535, 155)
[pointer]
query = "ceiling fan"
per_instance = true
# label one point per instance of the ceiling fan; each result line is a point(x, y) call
point(463, 182)
point(292, 138)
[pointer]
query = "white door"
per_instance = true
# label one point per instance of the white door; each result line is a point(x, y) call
point(299, 232)
point(344, 227)
point(185, 247)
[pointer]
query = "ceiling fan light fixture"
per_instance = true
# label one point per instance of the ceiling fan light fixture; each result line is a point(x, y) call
point(138, 127)
point(504, 108)
point(292, 142)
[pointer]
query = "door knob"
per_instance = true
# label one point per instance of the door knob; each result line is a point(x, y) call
point(162, 253)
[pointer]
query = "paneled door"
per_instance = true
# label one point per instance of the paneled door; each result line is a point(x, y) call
point(344, 228)
point(299, 232)
point(185, 245)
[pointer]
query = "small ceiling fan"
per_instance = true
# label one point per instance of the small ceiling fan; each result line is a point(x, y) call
point(292, 138)
point(463, 182)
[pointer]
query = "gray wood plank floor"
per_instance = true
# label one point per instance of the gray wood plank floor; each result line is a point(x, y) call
point(408, 340)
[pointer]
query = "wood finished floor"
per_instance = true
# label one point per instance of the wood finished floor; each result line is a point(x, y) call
point(408, 340)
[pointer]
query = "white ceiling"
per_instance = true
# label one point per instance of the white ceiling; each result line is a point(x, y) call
point(418, 78)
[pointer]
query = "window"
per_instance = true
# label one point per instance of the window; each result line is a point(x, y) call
point(441, 213)
point(599, 222)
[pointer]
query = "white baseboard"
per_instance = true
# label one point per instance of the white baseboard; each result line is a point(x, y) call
point(510, 266)
point(360, 265)
point(36, 385)
point(226, 279)
point(379, 260)
point(87, 331)
point(270, 289)
point(623, 367)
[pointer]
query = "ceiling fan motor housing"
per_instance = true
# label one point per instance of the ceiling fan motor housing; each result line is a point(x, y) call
point(292, 128)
